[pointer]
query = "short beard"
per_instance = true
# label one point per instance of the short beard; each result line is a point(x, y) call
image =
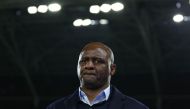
point(94, 85)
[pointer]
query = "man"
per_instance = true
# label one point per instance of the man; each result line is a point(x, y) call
point(95, 69)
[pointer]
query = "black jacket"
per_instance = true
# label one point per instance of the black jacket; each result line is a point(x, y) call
point(117, 101)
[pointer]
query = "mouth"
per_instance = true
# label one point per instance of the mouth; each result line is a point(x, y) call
point(89, 74)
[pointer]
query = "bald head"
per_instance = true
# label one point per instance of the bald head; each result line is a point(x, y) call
point(95, 45)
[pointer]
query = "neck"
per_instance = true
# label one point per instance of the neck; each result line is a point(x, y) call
point(92, 93)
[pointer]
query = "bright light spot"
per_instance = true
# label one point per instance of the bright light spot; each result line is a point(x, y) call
point(78, 22)
point(117, 6)
point(178, 18)
point(186, 18)
point(54, 7)
point(105, 8)
point(94, 22)
point(103, 21)
point(178, 5)
point(95, 9)
point(32, 10)
point(86, 22)
point(42, 8)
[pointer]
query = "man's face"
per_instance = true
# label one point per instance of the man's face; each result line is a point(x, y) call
point(94, 68)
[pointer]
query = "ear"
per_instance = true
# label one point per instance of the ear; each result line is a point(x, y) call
point(113, 69)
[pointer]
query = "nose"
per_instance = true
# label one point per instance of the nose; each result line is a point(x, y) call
point(89, 65)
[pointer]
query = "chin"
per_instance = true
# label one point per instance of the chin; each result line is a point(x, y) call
point(92, 85)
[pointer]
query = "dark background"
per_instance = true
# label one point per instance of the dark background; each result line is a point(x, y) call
point(39, 53)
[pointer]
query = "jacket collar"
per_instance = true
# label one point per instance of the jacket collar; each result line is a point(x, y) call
point(116, 97)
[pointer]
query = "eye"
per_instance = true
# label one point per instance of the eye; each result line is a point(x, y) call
point(99, 61)
point(82, 61)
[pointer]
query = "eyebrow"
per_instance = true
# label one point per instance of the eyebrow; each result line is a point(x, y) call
point(94, 57)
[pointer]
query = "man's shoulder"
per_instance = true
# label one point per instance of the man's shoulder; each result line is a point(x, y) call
point(59, 103)
point(132, 102)
point(62, 102)
point(129, 102)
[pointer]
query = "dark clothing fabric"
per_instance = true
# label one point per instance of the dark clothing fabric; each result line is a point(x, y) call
point(102, 105)
point(116, 100)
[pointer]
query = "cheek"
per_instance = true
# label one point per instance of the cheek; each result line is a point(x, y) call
point(78, 69)
point(107, 68)
point(104, 70)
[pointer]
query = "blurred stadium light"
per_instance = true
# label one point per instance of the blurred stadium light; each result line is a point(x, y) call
point(178, 18)
point(53, 7)
point(32, 10)
point(42, 8)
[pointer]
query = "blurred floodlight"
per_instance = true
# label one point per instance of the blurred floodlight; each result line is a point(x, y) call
point(86, 22)
point(186, 18)
point(117, 6)
point(95, 9)
point(94, 22)
point(42, 8)
point(105, 8)
point(178, 18)
point(32, 9)
point(54, 7)
point(78, 22)
point(178, 5)
point(103, 21)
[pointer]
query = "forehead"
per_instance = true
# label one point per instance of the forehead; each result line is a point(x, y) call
point(96, 52)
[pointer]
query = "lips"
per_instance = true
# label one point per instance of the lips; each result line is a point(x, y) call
point(89, 73)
